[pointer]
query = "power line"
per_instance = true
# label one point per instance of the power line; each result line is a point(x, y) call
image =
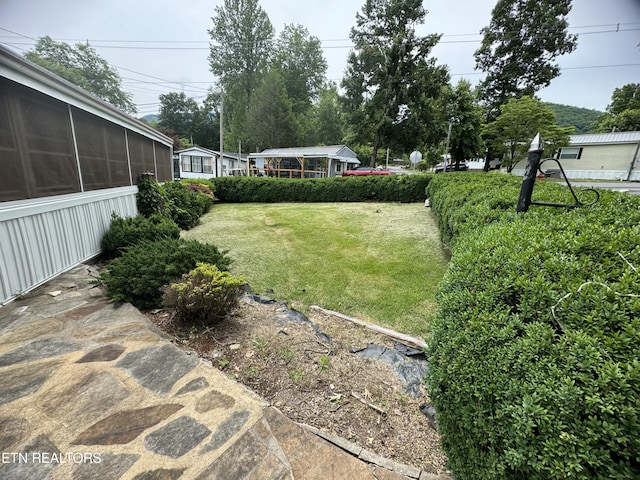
point(614, 28)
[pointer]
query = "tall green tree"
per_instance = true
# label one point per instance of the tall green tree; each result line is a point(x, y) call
point(299, 57)
point(195, 124)
point(81, 65)
point(518, 123)
point(326, 125)
point(623, 113)
point(390, 77)
point(242, 39)
point(519, 49)
point(466, 117)
point(273, 123)
point(178, 113)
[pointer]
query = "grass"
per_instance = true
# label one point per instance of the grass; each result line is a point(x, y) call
point(381, 262)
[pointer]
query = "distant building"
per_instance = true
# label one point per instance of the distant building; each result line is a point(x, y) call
point(200, 162)
point(303, 162)
point(600, 156)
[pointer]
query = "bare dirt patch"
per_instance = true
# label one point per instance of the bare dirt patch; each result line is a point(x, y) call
point(317, 380)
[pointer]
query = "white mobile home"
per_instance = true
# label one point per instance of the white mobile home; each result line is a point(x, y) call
point(200, 162)
point(602, 156)
point(69, 160)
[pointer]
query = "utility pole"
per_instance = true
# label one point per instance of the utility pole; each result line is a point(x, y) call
point(446, 153)
point(221, 131)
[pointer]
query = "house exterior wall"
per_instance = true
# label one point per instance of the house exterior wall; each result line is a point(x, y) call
point(610, 162)
point(69, 161)
point(188, 155)
point(597, 162)
point(43, 237)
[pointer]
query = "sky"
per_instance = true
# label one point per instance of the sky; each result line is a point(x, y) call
point(161, 46)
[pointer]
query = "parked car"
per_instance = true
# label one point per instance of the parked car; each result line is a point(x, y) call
point(365, 171)
point(441, 167)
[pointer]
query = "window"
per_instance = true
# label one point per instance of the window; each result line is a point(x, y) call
point(206, 165)
point(186, 163)
point(570, 153)
point(196, 164)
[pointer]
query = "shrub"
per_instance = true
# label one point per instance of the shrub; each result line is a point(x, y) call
point(391, 188)
point(204, 295)
point(125, 232)
point(150, 199)
point(140, 273)
point(186, 204)
point(533, 361)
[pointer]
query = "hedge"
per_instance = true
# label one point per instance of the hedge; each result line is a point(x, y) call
point(534, 370)
point(383, 188)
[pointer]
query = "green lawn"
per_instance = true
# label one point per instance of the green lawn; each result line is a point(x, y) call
point(377, 261)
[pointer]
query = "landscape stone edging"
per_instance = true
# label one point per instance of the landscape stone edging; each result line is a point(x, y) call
point(365, 455)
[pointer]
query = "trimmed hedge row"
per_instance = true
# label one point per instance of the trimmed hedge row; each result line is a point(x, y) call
point(534, 370)
point(383, 188)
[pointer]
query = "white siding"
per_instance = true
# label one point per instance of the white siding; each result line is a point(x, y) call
point(43, 237)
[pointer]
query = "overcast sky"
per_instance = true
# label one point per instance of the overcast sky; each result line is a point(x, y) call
point(161, 46)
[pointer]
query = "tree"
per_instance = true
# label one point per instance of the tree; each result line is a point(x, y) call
point(625, 98)
point(519, 48)
point(177, 113)
point(299, 57)
point(519, 121)
point(82, 66)
point(273, 123)
point(242, 43)
point(466, 119)
point(390, 77)
point(194, 124)
point(623, 113)
point(326, 126)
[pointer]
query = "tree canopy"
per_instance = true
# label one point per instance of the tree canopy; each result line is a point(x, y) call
point(390, 77)
point(583, 119)
point(242, 40)
point(466, 117)
point(623, 113)
point(518, 123)
point(82, 66)
point(519, 48)
point(194, 124)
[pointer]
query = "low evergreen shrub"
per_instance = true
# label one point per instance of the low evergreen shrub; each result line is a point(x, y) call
point(186, 203)
point(205, 295)
point(125, 232)
point(534, 371)
point(140, 273)
point(383, 188)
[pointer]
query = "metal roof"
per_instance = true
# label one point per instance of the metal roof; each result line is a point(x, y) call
point(331, 151)
point(605, 138)
point(207, 151)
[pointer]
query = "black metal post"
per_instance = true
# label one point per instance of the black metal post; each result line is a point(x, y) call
point(530, 173)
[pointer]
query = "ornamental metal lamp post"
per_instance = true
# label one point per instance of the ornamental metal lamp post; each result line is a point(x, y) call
point(530, 173)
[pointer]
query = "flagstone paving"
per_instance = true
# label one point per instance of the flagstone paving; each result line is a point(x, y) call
point(89, 389)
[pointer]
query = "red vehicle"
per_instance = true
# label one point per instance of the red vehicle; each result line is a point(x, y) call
point(365, 171)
